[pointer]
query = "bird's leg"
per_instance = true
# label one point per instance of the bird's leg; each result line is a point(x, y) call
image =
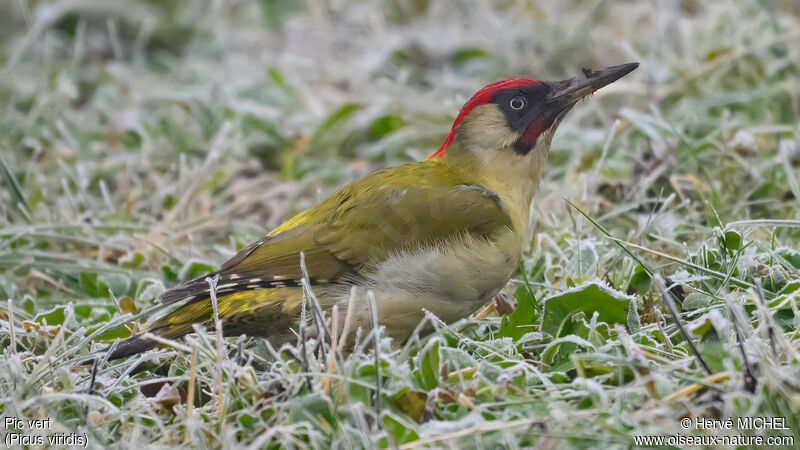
point(501, 304)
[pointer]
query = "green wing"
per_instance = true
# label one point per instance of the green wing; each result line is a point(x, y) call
point(404, 208)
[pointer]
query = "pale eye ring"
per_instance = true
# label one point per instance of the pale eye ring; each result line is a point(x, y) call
point(517, 103)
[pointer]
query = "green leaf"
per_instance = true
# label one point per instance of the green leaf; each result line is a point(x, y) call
point(333, 118)
point(92, 286)
point(312, 408)
point(197, 269)
point(127, 305)
point(714, 353)
point(358, 393)
point(247, 420)
point(595, 331)
point(732, 241)
point(83, 311)
point(120, 332)
point(519, 322)
point(169, 202)
point(55, 316)
point(463, 55)
point(411, 403)
point(275, 12)
point(17, 196)
point(277, 76)
point(428, 364)
point(611, 306)
point(788, 289)
point(641, 280)
point(586, 334)
point(132, 139)
point(28, 305)
point(252, 123)
point(556, 354)
point(132, 260)
point(365, 371)
point(400, 431)
point(695, 300)
point(385, 125)
point(168, 273)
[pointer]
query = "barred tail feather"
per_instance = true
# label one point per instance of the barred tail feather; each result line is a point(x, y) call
point(141, 342)
point(230, 283)
point(258, 312)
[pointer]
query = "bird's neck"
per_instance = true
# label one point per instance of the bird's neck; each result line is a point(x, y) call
point(514, 178)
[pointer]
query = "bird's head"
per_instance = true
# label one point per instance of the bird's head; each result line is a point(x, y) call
point(513, 120)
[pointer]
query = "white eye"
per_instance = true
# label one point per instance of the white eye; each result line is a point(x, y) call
point(517, 103)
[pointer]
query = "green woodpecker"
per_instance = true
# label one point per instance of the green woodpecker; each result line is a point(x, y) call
point(443, 235)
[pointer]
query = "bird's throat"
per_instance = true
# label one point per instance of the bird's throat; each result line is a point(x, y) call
point(528, 139)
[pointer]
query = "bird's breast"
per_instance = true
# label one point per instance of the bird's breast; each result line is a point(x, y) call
point(450, 278)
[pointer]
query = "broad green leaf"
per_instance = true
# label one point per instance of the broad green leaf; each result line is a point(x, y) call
point(400, 431)
point(641, 280)
point(611, 307)
point(127, 305)
point(595, 331)
point(411, 403)
point(556, 354)
point(55, 316)
point(109, 335)
point(168, 273)
point(519, 322)
point(695, 300)
point(715, 353)
point(83, 311)
point(92, 286)
point(312, 408)
point(358, 393)
point(247, 420)
point(197, 269)
point(365, 371)
point(28, 305)
point(732, 241)
point(428, 365)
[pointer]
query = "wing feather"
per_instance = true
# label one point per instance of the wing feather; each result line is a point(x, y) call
point(360, 226)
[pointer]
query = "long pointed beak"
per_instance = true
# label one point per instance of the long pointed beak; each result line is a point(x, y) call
point(566, 93)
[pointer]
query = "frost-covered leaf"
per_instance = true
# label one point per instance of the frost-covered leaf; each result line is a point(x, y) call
point(594, 296)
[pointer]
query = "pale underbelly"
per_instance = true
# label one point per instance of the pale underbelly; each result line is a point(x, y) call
point(450, 282)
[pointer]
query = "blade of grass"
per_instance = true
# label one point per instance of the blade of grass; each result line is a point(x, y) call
point(666, 297)
point(718, 275)
point(749, 374)
point(373, 309)
point(212, 289)
point(608, 234)
point(17, 197)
